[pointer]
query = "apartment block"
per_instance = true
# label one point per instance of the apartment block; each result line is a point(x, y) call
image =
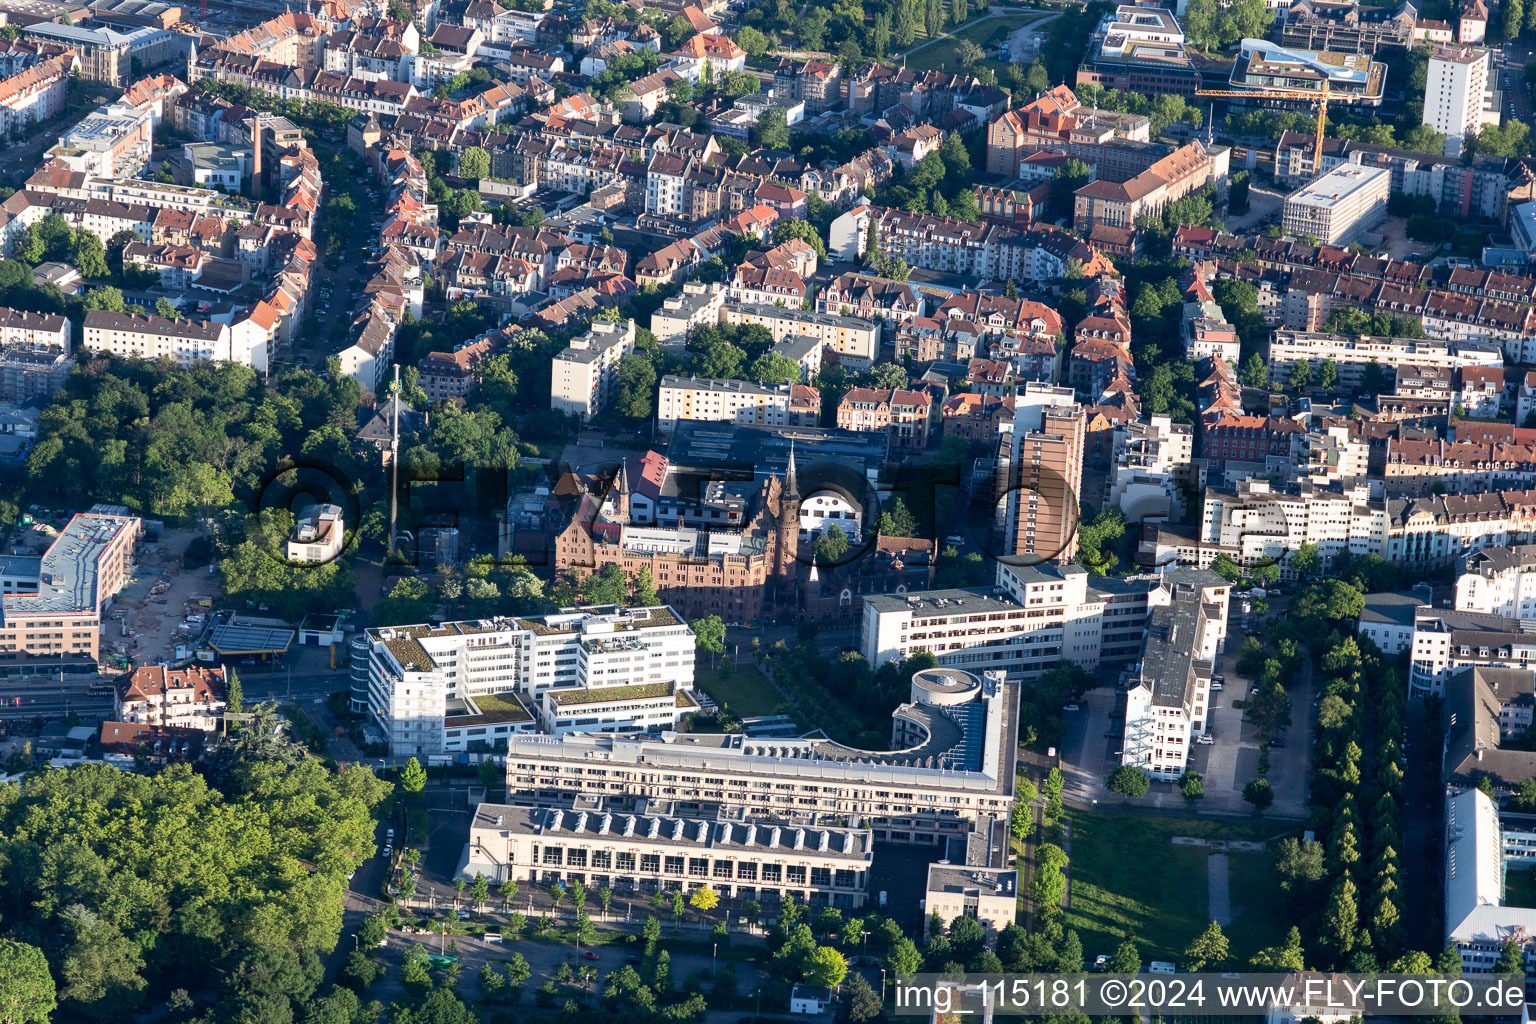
point(643, 852)
point(908, 416)
point(1045, 473)
point(1035, 617)
point(582, 374)
point(1447, 641)
point(182, 341)
point(466, 685)
point(720, 400)
point(856, 341)
point(1498, 581)
point(1456, 94)
point(1352, 355)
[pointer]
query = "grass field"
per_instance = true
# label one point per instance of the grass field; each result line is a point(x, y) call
point(1128, 879)
point(746, 694)
point(1520, 887)
point(987, 34)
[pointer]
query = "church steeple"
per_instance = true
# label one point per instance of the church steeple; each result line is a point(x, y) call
point(621, 499)
point(791, 486)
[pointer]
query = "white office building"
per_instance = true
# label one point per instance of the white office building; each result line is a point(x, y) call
point(463, 685)
point(949, 766)
point(1499, 581)
point(1339, 206)
point(1166, 706)
point(182, 341)
point(1036, 616)
point(606, 844)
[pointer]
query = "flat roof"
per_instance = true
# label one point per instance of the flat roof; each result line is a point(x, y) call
point(228, 639)
point(67, 571)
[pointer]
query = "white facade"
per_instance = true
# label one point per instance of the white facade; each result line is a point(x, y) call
point(1340, 205)
point(1445, 641)
point(856, 341)
point(1499, 581)
point(319, 533)
point(725, 401)
point(422, 678)
point(740, 858)
point(1166, 708)
point(583, 373)
point(1456, 94)
point(1256, 524)
point(1035, 617)
point(153, 337)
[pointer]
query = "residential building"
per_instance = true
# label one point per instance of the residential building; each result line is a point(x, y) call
point(1261, 65)
point(950, 764)
point(696, 305)
point(36, 354)
point(469, 685)
point(908, 416)
point(1353, 355)
point(1498, 581)
point(582, 374)
point(179, 698)
point(1459, 97)
point(600, 843)
point(182, 341)
point(1045, 474)
point(856, 341)
point(1446, 641)
point(1339, 206)
point(729, 401)
point(1386, 619)
point(1034, 618)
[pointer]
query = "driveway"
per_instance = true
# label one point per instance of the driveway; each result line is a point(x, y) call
point(1088, 756)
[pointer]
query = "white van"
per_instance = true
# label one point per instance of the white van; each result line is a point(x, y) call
point(1161, 967)
point(494, 937)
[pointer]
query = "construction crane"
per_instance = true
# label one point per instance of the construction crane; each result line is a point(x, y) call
point(1322, 99)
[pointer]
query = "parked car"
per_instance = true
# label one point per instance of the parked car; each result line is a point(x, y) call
point(1277, 743)
point(589, 955)
point(1217, 687)
point(632, 960)
point(1071, 707)
point(1205, 740)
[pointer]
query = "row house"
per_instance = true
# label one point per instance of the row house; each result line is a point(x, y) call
point(930, 339)
point(976, 417)
point(36, 92)
point(1461, 467)
point(1030, 357)
point(906, 416)
point(1475, 391)
point(872, 298)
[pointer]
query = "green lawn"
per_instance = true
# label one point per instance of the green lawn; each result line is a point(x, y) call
point(1519, 886)
point(986, 34)
point(1129, 879)
point(746, 694)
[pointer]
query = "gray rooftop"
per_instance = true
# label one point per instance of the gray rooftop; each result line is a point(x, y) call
point(67, 571)
point(693, 833)
point(1393, 608)
point(1168, 664)
point(940, 603)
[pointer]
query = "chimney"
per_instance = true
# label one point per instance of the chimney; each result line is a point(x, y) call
point(254, 124)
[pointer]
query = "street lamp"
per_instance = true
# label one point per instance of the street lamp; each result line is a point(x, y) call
point(713, 949)
point(882, 986)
